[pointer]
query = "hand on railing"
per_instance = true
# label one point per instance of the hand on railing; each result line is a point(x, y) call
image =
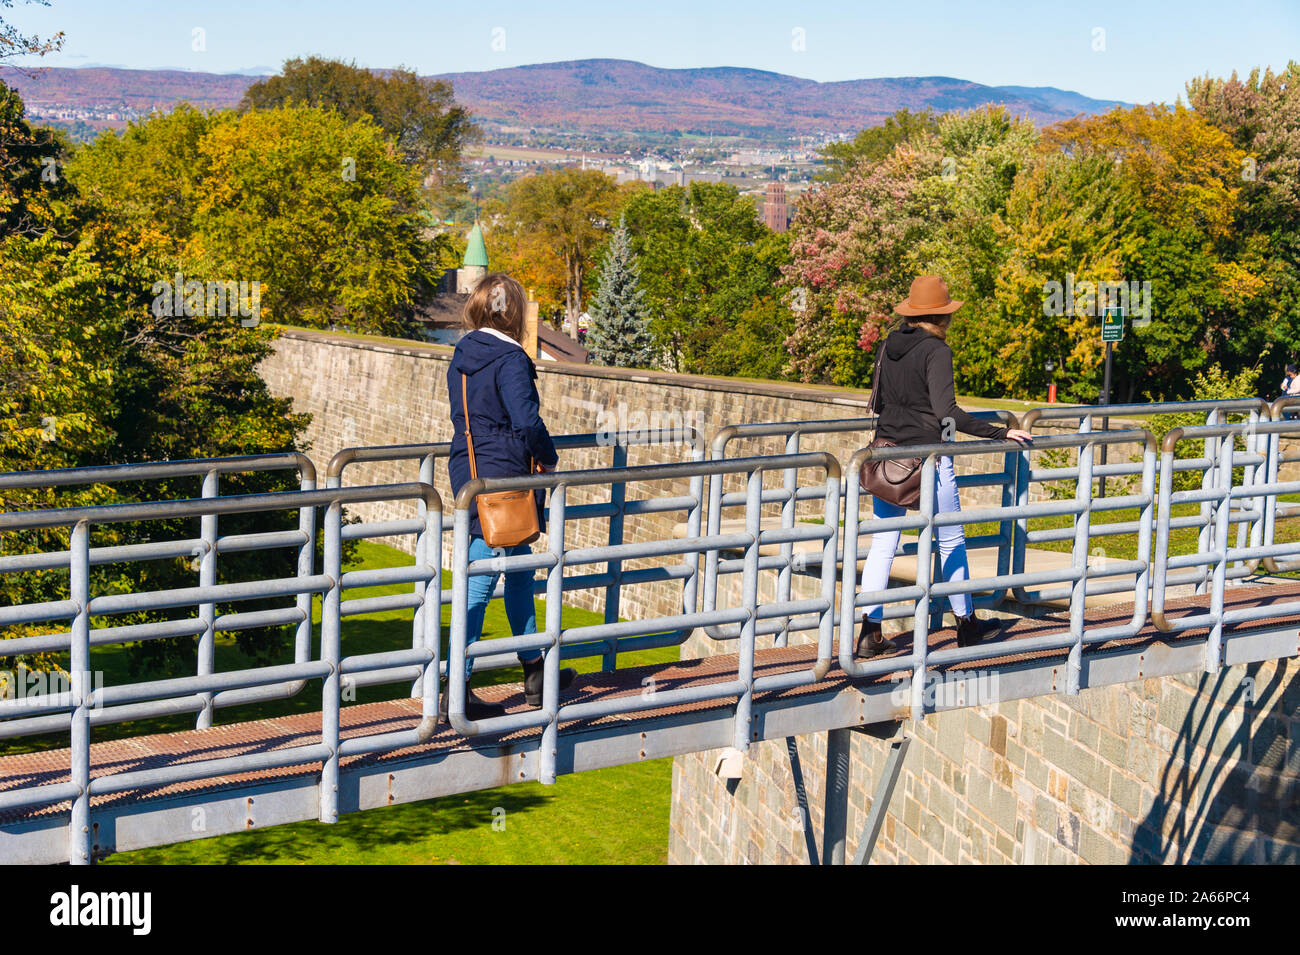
point(1024, 437)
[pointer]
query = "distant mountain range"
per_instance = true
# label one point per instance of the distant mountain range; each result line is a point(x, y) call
point(597, 95)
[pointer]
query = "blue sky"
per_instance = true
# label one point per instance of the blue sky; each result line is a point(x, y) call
point(1149, 48)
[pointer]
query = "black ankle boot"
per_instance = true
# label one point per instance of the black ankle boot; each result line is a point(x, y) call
point(475, 709)
point(972, 630)
point(534, 676)
point(871, 640)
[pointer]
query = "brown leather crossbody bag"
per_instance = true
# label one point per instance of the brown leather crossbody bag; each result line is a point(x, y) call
point(897, 481)
point(508, 518)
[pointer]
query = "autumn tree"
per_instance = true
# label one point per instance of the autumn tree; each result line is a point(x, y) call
point(559, 219)
point(1181, 181)
point(421, 115)
point(320, 212)
point(876, 142)
point(1261, 115)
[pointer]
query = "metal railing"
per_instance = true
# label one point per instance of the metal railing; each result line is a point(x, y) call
point(920, 596)
point(1225, 499)
point(618, 443)
point(788, 496)
point(204, 549)
point(554, 638)
point(85, 705)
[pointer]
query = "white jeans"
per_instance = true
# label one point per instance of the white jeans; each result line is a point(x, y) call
point(952, 544)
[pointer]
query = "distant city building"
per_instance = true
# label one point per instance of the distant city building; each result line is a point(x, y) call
point(775, 213)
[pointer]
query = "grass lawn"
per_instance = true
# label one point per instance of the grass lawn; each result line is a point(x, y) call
point(615, 815)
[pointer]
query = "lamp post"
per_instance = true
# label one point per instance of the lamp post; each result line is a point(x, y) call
point(1049, 366)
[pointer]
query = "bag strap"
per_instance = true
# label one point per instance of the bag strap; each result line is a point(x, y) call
point(469, 438)
point(875, 382)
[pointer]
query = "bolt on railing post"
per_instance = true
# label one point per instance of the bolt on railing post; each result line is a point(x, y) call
point(1079, 589)
point(554, 624)
point(921, 616)
point(207, 609)
point(330, 651)
point(617, 497)
point(79, 842)
point(749, 597)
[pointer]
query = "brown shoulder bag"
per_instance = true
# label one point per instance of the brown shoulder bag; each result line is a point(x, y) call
point(508, 518)
point(897, 481)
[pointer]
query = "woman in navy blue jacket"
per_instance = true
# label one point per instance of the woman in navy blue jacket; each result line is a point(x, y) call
point(510, 440)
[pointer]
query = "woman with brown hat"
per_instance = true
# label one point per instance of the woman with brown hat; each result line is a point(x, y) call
point(914, 398)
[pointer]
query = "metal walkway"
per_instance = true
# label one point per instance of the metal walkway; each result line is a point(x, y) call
point(90, 799)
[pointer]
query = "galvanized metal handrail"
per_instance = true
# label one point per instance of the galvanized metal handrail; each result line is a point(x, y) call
point(85, 706)
point(553, 637)
point(1218, 552)
point(205, 549)
point(789, 496)
point(1250, 522)
point(920, 595)
point(74, 710)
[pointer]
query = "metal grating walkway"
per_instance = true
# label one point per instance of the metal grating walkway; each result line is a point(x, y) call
point(834, 702)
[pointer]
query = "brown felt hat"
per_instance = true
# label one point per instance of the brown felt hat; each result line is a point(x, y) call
point(929, 296)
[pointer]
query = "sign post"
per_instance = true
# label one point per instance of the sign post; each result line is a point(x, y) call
point(1112, 330)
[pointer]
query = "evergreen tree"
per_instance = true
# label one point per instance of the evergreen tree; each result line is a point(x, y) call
point(619, 335)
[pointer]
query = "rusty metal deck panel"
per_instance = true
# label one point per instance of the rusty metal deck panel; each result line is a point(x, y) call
point(303, 729)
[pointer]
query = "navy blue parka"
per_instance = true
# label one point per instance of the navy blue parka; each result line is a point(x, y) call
point(505, 415)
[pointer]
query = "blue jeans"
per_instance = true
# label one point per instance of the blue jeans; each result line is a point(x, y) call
point(952, 544)
point(518, 597)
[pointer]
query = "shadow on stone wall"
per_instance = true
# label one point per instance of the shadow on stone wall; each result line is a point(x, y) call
point(1230, 795)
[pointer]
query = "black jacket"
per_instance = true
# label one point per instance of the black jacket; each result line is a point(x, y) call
point(914, 391)
point(509, 434)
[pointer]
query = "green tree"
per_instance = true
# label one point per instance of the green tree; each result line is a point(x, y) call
point(421, 115)
point(563, 216)
point(1261, 115)
point(33, 191)
point(705, 260)
point(1181, 179)
point(90, 374)
point(206, 196)
point(619, 334)
point(876, 142)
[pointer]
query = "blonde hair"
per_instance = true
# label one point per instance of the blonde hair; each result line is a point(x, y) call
point(497, 302)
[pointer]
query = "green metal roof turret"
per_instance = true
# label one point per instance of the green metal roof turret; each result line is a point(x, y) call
point(475, 250)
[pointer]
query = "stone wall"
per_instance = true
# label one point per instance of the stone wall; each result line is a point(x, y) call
point(1186, 769)
point(1197, 768)
point(367, 391)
